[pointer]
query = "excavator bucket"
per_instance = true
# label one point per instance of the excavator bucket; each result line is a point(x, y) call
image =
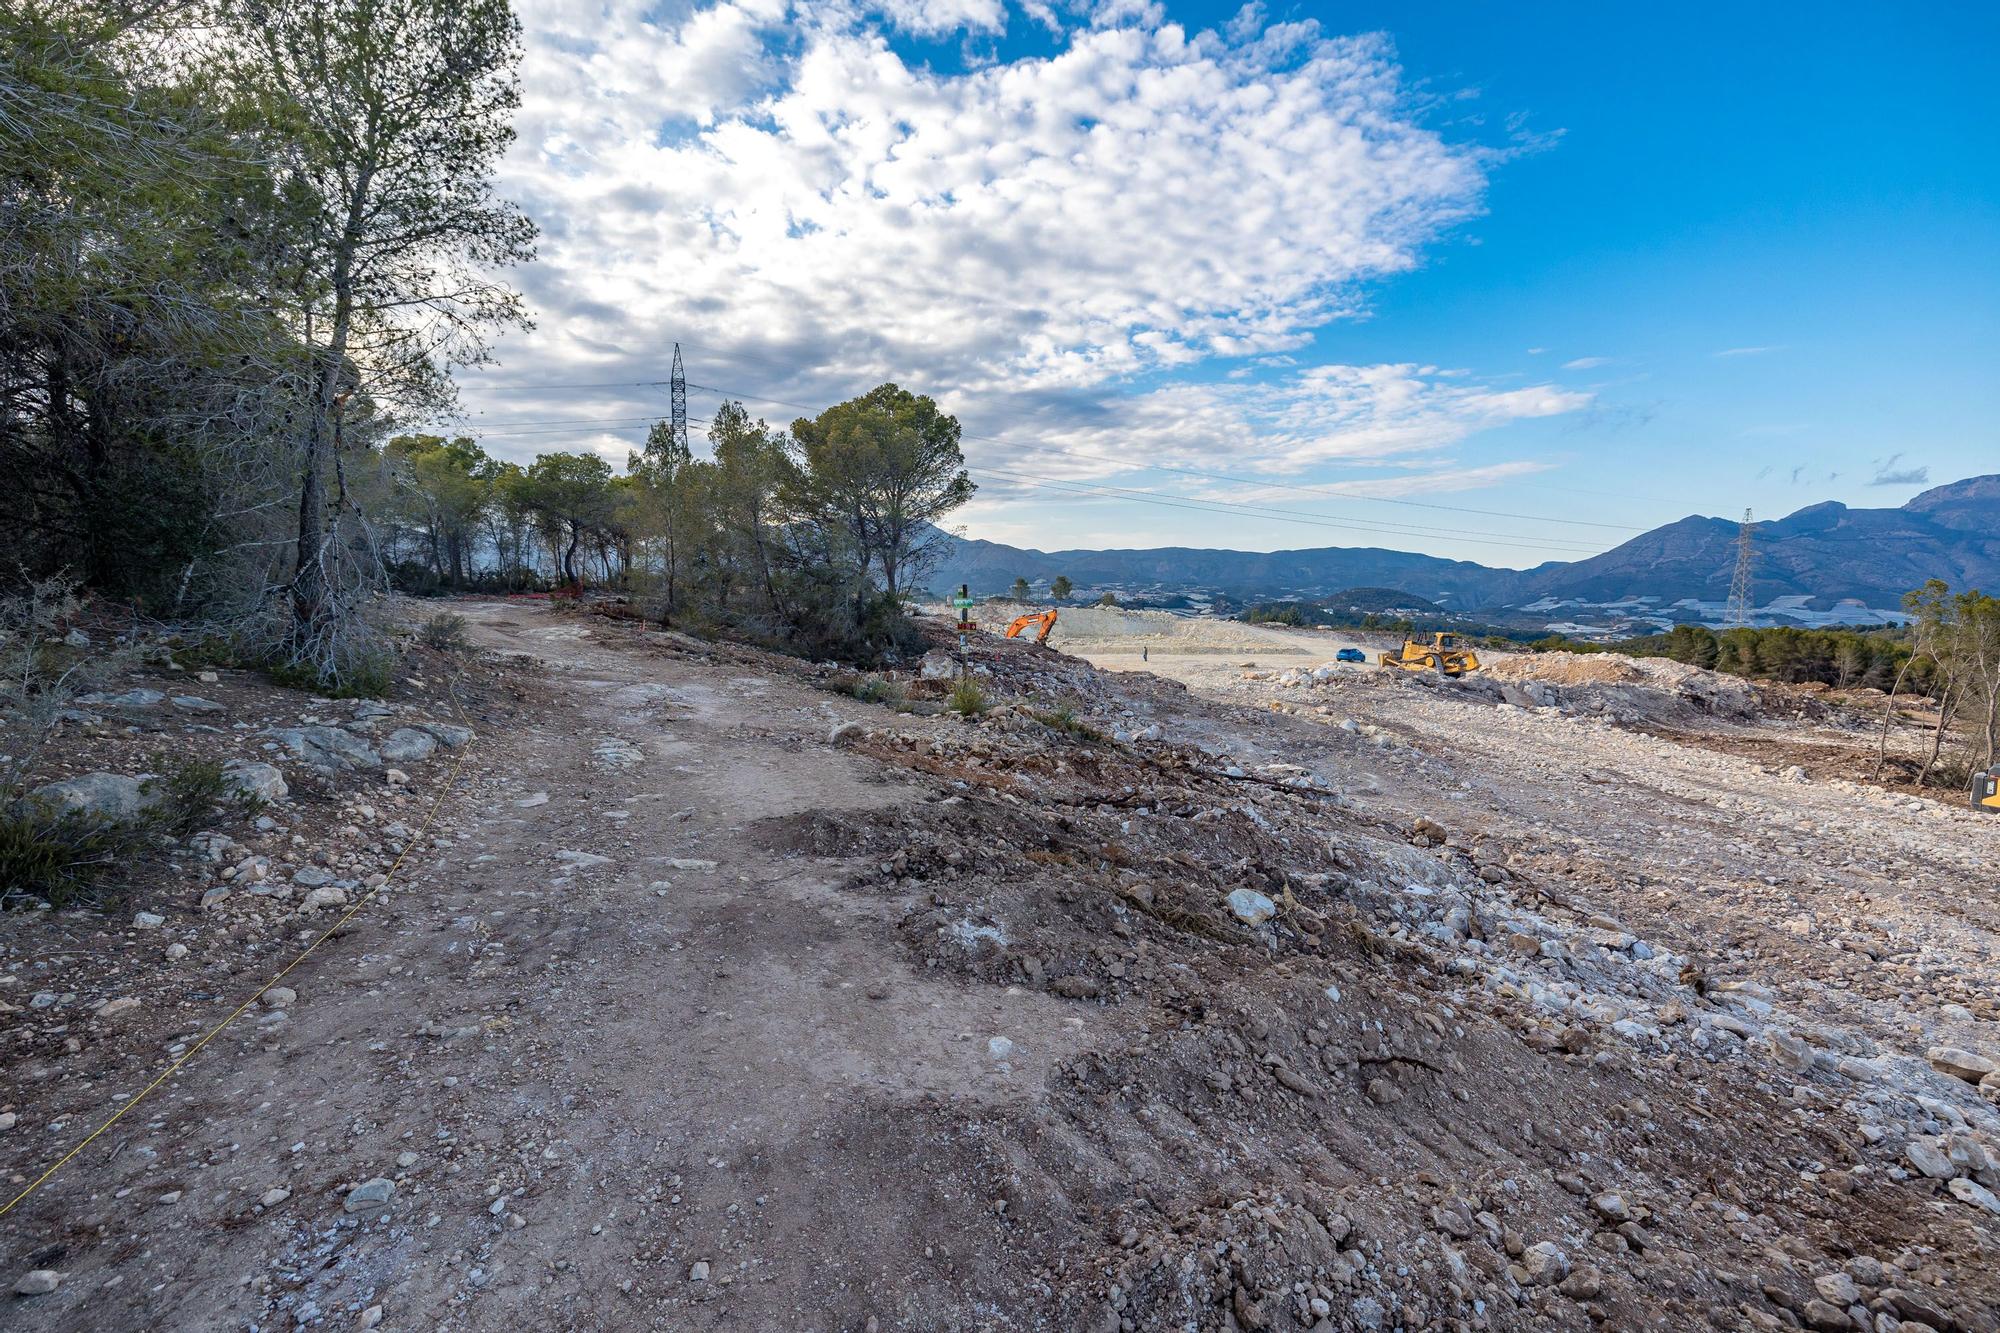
point(1042, 623)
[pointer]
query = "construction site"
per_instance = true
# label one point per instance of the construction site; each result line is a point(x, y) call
point(1189, 978)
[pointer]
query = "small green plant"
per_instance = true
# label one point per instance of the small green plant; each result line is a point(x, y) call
point(369, 678)
point(444, 632)
point(63, 856)
point(188, 794)
point(880, 690)
point(1062, 717)
point(967, 698)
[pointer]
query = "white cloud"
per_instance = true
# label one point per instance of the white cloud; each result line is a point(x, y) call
point(1053, 246)
point(1345, 415)
point(1748, 351)
point(1587, 363)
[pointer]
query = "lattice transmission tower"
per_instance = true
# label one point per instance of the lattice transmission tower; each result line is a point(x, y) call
point(680, 409)
point(1740, 602)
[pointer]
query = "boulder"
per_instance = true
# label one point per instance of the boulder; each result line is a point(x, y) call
point(407, 745)
point(329, 749)
point(1545, 1263)
point(194, 703)
point(1976, 1194)
point(449, 735)
point(113, 797)
point(1925, 1155)
point(247, 780)
point(1961, 1063)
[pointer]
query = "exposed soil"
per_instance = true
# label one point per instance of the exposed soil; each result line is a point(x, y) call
point(718, 999)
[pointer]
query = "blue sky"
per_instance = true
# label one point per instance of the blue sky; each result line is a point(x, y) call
point(1344, 270)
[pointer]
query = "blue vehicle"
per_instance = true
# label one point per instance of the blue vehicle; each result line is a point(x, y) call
point(1350, 655)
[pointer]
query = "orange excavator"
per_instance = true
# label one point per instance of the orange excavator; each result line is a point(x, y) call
point(1041, 623)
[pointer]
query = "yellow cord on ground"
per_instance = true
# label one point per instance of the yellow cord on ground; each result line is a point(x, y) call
point(238, 1012)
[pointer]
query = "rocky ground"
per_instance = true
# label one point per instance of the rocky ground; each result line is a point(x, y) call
point(1207, 997)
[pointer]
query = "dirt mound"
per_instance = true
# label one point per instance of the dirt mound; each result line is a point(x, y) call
point(1642, 691)
point(1568, 668)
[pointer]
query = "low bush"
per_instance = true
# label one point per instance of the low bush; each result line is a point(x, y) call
point(444, 633)
point(189, 795)
point(368, 677)
point(1063, 717)
point(64, 857)
point(967, 698)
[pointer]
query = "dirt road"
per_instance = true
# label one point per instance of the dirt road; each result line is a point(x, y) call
point(627, 1065)
point(722, 999)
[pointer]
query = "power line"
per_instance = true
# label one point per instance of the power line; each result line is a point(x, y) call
point(1263, 482)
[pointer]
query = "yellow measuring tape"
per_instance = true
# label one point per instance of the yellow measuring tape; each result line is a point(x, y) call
point(240, 1009)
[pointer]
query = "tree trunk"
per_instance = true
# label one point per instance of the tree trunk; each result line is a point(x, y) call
point(1888, 716)
point(1947, 705)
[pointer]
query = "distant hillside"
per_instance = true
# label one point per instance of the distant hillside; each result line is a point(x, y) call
point(1379, 599)
point(1248, 575)
point(1819, 556)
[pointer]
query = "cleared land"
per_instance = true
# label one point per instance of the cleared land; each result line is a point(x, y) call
point(1201, 997)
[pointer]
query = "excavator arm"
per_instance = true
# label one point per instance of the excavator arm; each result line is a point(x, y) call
point(1042, 624)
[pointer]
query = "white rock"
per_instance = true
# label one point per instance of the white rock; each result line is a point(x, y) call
point(1000, 1048)
point(148, 920)
point(1251, 907)
point(324, 897)
point(247, 780)
point(38, 1282)
point(1546, 1263)
point(274, 1196)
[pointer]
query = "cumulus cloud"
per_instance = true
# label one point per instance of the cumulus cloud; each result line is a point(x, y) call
point(1052, 246)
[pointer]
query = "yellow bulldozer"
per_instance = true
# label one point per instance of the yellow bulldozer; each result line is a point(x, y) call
point(1444, 653)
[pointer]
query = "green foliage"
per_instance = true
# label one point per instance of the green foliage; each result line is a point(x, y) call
point(370, 677)
point(967, 697)
point(1061, 588)
point(873, 689)
point(1062, 716)
point(1020, 592)
point(63, 857)
point(1838, 657)
point(444, 632)
point(1299, 615)
point(189, 794)
point(1109, 599)
point(885, 468)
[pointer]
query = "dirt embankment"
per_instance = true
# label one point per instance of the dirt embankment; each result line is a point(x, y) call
point(722, 1000)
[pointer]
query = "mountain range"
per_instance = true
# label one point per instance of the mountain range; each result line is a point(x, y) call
point(1826, 562)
